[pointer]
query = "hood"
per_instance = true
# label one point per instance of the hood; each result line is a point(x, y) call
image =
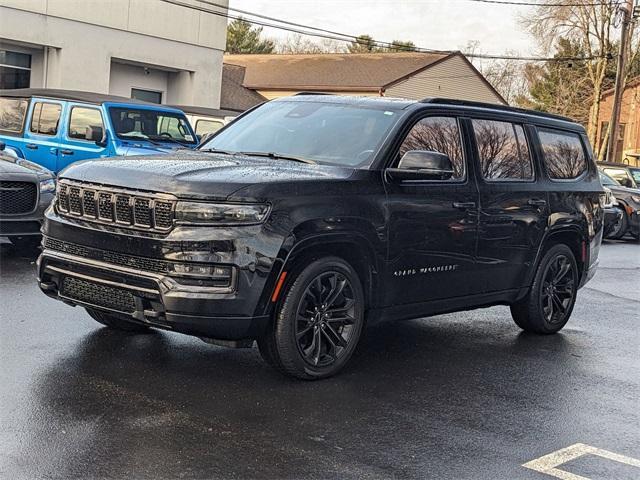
point(136, 149)
point(11, 165)
point(192, 174)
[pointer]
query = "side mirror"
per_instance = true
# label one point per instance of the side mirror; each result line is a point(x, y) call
point(96, 134)
point(422, 164)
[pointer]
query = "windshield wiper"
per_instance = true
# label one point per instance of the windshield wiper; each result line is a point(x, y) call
point(162, 138)
point(278, 156)
point(220, 152)
point(139, 138)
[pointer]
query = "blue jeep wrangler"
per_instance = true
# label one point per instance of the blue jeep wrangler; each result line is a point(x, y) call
point(54, 128)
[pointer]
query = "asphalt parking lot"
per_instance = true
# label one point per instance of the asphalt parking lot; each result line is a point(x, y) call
point(460, 396)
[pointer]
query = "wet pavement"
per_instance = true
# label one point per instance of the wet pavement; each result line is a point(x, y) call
point(459, 396)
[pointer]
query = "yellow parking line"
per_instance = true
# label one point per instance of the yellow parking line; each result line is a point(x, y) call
point(548, 463)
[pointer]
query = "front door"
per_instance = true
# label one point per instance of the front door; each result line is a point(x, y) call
point(81, 120)
point(513, 203)
point(433, 223)
point(41, 135)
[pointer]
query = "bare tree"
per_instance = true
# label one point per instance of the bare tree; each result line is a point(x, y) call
point(587, 22)
point(298, 43)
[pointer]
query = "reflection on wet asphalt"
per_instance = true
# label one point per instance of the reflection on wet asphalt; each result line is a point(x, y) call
point(465, 395)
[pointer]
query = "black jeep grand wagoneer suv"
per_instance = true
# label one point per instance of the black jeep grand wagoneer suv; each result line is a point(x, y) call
point(310, 215)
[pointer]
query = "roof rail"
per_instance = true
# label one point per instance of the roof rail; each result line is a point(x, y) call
point(493, 106)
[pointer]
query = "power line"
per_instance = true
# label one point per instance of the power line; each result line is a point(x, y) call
point(552, 4)
point(343, 37)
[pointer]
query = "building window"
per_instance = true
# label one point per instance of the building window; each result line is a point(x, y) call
point(15, 70)
point(146, 95)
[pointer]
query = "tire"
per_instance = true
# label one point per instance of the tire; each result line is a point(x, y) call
point(27, 243)
point(116, 323)
point(620, 228)
point(318, 322)
point(550, 301)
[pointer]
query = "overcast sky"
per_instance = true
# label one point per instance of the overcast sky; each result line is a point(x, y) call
point(438, 24)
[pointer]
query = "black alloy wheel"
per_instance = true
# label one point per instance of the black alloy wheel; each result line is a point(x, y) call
point(548, 305)
point(558, 289)
point(318, 323)
point(325, 319)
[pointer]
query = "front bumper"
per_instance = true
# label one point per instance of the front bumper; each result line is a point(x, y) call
point(124, 273)
point(26, 224)
point(146, 298)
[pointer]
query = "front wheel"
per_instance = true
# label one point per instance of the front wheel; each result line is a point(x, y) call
point(548, 305)
point(621, 226)
point(318, 323)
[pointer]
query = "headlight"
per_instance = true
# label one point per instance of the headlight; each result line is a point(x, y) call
point(48, 185)
point(197, 213)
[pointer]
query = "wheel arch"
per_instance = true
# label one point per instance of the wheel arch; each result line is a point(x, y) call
point(571, 236)
point(353, 247)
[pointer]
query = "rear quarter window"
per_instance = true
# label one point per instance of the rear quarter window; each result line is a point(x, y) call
point(12, 113)
point(564, 154)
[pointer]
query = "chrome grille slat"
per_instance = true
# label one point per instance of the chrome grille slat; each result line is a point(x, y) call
point(116, 206)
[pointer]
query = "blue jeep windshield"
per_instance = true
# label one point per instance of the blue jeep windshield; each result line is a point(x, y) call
point(153, 125)
point(325, 133)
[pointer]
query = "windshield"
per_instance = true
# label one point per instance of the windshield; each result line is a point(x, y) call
point(153, 125)
point(635, 173)
point(326, 133)
point(607, 180)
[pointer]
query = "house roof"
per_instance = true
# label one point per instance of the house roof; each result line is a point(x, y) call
point(233, 94)
point(332, 72)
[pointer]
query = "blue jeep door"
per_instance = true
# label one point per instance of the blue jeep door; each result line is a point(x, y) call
point(83, 127)
point(41, 137)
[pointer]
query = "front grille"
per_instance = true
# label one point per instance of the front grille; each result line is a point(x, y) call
point(137, 210)
point(17, 197)
point(98, 294)
point(89, 203)
point(115, 258)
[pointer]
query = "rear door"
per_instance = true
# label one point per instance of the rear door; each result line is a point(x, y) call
point(42, 133)
point(432, 223)
point(513, 202)
point(81, 120)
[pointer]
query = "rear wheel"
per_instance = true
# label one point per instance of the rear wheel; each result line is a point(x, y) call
point(116, 323)
point(318, 323)
point(620, 228)
point(548, 305)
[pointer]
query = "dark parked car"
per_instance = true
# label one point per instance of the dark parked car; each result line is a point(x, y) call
point(26, 190)
point(612, 214)
point(309, 214)
point(628, 206)
point(625, 175)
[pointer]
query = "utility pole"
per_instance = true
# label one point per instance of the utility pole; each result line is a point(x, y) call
point(614, 124)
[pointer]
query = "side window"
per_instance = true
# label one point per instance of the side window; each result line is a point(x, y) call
point(438, 134)
point(82, 118)
point(620, 175)
point(564, 154)
point(502, 150)
point(207, 126)
point(12, 113)
point(45, 118)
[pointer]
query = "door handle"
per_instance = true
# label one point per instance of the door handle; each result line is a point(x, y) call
point(66, 152)
point(31, 146)
point(537, 202)
point(464, 205)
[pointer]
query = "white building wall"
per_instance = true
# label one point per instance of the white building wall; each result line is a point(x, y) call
point(74, 44)
point(451, 78)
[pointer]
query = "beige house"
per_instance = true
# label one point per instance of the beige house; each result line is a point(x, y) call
point(408, 75)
